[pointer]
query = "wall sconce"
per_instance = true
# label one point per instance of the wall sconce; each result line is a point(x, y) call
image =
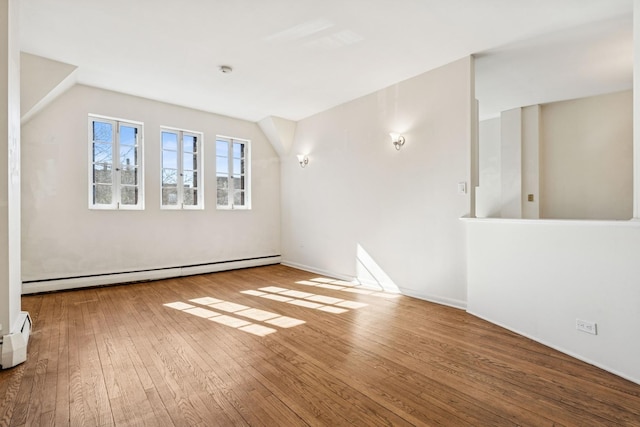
point(303, 160)
point(397, 140)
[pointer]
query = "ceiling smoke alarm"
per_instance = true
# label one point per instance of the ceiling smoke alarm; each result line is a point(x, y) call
point(225, 69)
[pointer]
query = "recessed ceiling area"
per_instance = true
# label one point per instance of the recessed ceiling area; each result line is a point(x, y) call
point(293, 59)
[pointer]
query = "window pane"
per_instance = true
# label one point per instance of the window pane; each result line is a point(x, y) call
point(238, 166)
point(102, 132)
point(170, 159)
point(222, 165)
point(222, 148)
point(238, 150)
point(190, 144)
point(190, 196)
point(169, 177)
point(102, 174)
point(238, 182)
point(129, 195)
point(238, 198)
point(169, 141)
point(128, 135)
point(189, 178)
point(102, 194)
point(102, 153)
point(190, 162)
point(170, 196)
point(128, 156)
point(129, 175)
point(223, 191)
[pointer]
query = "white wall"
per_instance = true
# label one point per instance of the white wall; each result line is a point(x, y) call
point(359, 201)
point(10, 284)
point(540, 276)
point(63, 238)
point(586, 158)
point(490, 189)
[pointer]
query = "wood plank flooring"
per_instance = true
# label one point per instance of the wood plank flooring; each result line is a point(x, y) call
point(275, 346)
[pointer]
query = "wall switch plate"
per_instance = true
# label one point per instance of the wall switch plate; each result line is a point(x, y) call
point(462, 188)
point(586, 326)
point(530, 198)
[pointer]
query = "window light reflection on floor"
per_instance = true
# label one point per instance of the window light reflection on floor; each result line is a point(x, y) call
point(254, 314)
point(305, 299)
point(341, 285)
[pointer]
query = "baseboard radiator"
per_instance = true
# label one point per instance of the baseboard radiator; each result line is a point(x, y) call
point(14, 346)
point(48, 285)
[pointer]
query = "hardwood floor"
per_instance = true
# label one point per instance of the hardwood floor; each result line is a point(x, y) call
point(240, 354)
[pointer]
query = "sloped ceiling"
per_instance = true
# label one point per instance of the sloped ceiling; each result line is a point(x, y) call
point(295, 58)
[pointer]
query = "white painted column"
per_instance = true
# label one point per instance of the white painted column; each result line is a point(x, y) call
point(531, 162)
point(636, 109)
point(10, 275)
point(511, 163)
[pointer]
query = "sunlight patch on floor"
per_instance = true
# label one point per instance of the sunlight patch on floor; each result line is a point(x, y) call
point(179, 305)
point(254, 314)
point(201, 312)
point(344, 286)
point(305, 299)
point(229, 307)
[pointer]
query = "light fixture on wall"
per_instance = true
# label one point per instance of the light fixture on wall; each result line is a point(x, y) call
point(303, 160)
point(397, 140)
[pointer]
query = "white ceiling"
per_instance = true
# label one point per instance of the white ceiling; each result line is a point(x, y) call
point(295, 58)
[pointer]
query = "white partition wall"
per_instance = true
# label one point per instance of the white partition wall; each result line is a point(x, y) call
point(11, 319)
point(541, 278)
point(636, 109)
point(537, 277)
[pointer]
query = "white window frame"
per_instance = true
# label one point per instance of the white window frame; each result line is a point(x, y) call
point(116, 166)
point(180, 133)
point(247, 173)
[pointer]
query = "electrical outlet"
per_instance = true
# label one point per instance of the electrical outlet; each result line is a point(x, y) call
point(586, 326)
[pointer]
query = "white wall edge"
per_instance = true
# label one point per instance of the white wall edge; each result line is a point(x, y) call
point(329, 274)
point(61, 88)
point(632, 222)
point(560, 349)
point(372, 285)
point(450, 302)
point(142, 276)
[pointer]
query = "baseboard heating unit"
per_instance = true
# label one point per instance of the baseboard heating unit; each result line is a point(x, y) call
point(58, 284)
point(14, 345)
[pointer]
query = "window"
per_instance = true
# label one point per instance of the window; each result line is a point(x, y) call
point(115, 157)
point(232, 173)
point(181, 169)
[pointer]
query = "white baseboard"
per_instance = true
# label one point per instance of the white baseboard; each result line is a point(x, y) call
point(560, 349)
point(329, 274)
point(462, 305)
point(37, 286)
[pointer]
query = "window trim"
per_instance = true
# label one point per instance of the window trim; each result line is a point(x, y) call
point(247, 164)
point(200, 168)
point(117, 122)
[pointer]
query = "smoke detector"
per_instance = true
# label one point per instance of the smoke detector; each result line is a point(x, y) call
point(225, 69)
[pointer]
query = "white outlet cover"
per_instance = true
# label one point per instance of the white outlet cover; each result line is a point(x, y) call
point(587, 326)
